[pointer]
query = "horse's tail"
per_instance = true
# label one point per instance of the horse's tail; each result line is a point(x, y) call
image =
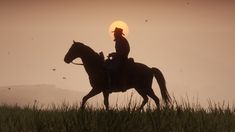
point(162, 84)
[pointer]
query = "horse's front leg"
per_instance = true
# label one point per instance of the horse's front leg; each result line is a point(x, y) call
point(92, 93)
point(106, 100)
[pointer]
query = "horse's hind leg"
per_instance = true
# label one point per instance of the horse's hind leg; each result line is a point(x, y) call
point(152, 95)
point(145, 97)
point(92, 93)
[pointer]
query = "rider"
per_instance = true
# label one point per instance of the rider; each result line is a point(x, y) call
point(119, 58)
point(122, 48)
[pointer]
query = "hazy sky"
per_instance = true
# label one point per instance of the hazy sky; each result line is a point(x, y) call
point(191, 41)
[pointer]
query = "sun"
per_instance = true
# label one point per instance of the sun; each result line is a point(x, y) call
point(119, 24)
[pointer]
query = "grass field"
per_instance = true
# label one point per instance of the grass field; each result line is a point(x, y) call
point(176, 118)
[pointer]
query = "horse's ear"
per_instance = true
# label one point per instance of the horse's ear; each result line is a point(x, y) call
point(74, 42)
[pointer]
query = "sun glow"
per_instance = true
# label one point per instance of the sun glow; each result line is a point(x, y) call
point(119, 24)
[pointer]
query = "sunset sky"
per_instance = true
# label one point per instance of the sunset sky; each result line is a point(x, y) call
point(191, 41)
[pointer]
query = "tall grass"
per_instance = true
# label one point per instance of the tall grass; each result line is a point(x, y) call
point(65, 118)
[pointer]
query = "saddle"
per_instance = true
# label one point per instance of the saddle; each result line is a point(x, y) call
point(117, 73)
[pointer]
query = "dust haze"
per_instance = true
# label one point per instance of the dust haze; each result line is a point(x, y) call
point(192, 42)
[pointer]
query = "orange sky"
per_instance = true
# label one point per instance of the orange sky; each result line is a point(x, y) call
point(191, 41)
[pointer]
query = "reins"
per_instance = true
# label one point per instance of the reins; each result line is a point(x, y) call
point(77, 63)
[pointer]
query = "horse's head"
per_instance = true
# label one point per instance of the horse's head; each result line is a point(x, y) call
point(73, 52)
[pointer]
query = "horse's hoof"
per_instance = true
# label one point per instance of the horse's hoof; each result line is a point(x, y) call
point(139, 109)
point(82, 108)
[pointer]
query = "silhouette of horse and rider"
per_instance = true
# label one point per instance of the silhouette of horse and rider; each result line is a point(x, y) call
point(118, 73)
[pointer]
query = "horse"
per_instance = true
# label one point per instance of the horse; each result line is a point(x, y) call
point(138, 76)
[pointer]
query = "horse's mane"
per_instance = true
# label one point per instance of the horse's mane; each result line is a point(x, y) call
point(89, 51)
point(87, 48)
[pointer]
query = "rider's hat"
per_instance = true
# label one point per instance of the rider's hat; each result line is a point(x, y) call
point(118, 31)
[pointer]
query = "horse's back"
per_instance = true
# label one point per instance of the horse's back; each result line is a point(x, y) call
point(139, 70)
point(141, 67)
